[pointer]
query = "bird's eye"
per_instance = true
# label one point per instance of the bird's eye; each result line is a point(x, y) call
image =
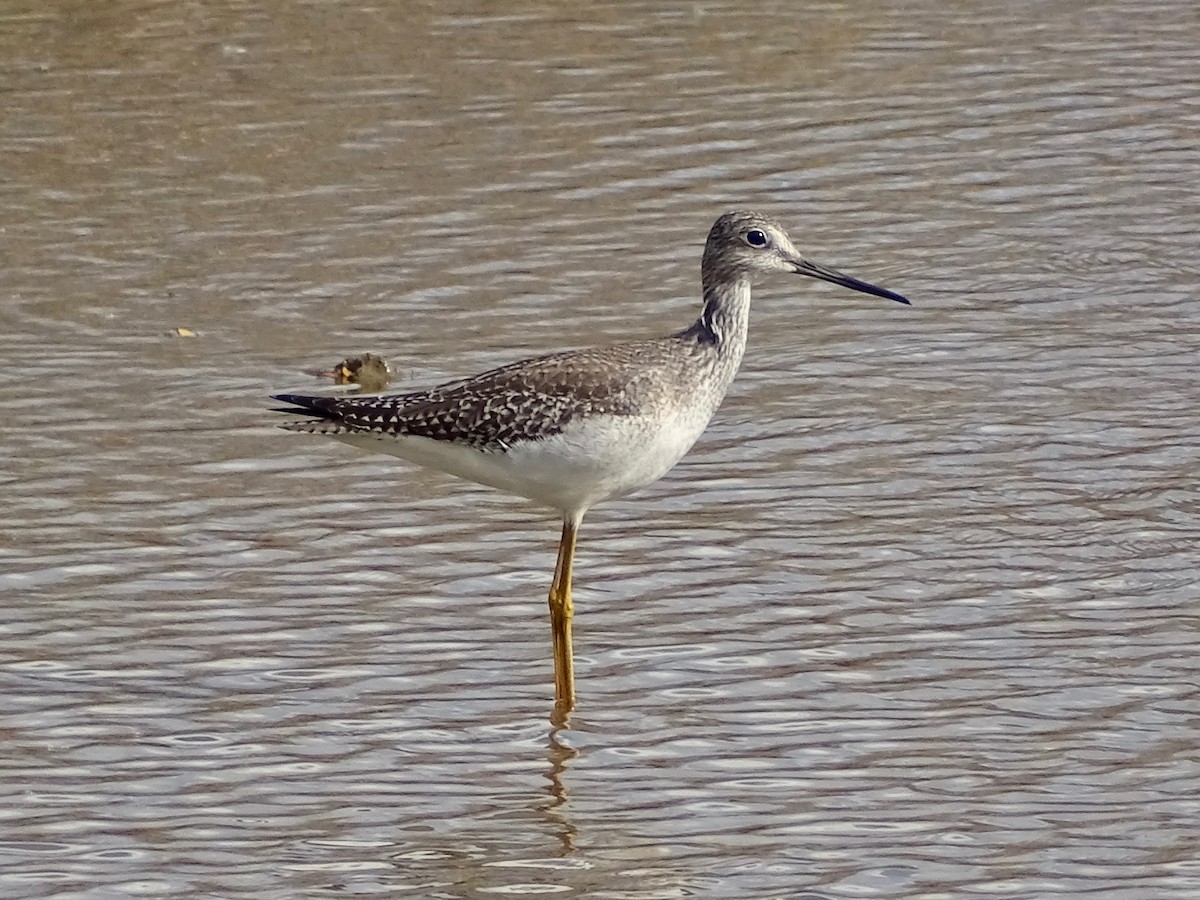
point(756, 238)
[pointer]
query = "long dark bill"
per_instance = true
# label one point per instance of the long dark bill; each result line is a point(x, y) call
point(804, 267)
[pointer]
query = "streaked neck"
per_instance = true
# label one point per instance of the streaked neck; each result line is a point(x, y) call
point(725, 316)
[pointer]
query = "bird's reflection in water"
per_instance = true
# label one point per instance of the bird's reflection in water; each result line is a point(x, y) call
point(559, 754)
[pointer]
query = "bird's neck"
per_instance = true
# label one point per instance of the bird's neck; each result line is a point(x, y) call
point(724, 318)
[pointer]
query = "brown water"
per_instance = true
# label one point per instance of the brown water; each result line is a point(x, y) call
point(918, 618)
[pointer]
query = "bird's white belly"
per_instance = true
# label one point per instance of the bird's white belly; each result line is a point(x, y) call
point(589, 461)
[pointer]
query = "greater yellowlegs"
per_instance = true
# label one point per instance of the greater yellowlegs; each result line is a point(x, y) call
point(370, 372)
point(570, 429)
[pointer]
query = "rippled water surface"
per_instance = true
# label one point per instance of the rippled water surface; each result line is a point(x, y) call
point(918, 616)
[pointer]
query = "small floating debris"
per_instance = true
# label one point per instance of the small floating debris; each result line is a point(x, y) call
point(183, 331)
point(370, 372)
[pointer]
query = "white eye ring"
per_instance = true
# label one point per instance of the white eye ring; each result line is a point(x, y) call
point(755, 237)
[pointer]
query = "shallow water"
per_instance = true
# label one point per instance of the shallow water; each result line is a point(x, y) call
point(917, 618)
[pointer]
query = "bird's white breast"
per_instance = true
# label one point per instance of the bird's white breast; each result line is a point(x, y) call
point(590, 460)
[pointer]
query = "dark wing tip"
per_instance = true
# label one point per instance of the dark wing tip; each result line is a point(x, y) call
point(322, 406)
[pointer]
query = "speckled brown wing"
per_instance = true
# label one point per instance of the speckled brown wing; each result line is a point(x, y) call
point(519, 402)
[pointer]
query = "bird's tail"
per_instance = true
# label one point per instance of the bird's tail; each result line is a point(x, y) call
point(328, 419)
point(325, 407)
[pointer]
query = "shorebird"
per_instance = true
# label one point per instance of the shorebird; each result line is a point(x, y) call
point(570, 429)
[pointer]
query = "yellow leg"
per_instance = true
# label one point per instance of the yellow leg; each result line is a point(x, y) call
point(562, 610)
